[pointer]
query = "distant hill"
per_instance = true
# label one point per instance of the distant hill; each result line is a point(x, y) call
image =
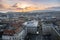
point(35, 11)
point(54, 8)
point(50, 9)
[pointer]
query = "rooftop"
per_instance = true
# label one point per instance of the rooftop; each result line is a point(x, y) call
point(32, 23)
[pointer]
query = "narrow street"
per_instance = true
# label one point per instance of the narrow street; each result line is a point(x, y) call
point(39, 37)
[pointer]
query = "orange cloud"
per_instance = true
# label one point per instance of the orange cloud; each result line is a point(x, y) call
point(20, 8)
point(4, 6)
point(24, 7)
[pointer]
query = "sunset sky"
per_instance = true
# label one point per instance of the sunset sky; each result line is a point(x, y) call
point(27, 5)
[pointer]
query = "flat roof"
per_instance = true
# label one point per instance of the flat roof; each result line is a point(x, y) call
point(32, 23)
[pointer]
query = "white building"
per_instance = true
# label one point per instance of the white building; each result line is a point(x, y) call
point(32, 26)
point(46, 27)
point(17, 36)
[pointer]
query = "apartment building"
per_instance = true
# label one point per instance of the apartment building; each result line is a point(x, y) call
point(32, 26)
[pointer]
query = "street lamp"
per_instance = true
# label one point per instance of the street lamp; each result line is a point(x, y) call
point(37, 32)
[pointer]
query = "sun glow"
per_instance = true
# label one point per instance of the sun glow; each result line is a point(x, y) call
point(23, 5)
